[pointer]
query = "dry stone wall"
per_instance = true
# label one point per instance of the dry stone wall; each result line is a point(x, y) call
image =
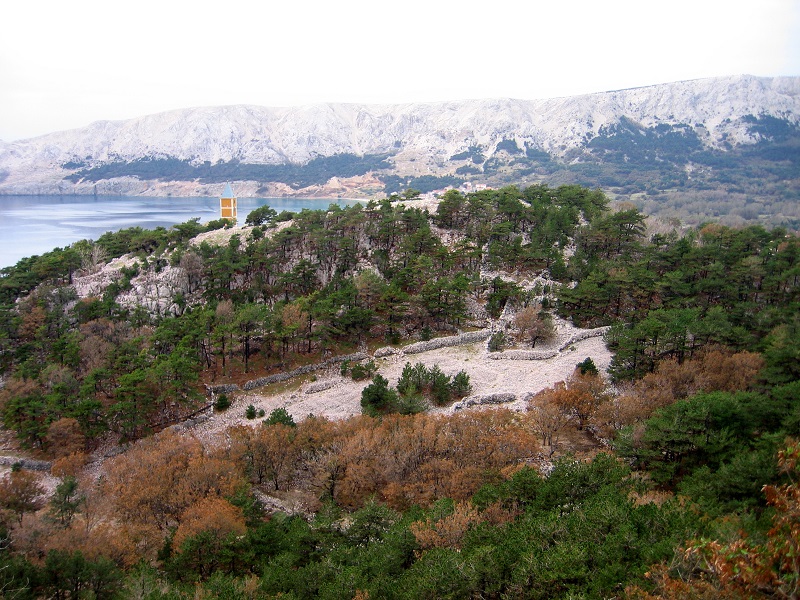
point(524, 354)
point(319, 386)
point(278, 377)
point(470, 401)
point(547, 354)
point(26, 463)
point(445, 342)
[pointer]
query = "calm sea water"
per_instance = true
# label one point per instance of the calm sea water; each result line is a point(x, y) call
point(32, 225)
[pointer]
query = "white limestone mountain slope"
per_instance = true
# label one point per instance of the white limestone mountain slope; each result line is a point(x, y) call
point(421, 138)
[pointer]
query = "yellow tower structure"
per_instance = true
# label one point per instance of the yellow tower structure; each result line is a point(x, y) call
point(227, 204)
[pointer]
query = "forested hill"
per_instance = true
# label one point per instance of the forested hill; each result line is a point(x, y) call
point(721, 148)
point(686, 489)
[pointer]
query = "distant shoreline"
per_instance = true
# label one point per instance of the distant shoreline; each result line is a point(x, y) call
point(298, 197)
point(32, 224)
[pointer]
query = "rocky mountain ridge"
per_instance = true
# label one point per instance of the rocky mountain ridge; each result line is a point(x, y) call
point(417, 139)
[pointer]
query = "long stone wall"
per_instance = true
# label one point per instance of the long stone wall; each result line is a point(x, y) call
point(546, 354)
point(25, 463)
point(469, 401)
point(470, 337)
point(585, 334)
point(319, 386)
point(524, 354)
point(277, 377)
point(444, 342)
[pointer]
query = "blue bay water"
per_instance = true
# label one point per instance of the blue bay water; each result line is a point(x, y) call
point(31, 225)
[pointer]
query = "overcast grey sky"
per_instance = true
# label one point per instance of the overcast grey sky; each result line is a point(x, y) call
point(66, 64)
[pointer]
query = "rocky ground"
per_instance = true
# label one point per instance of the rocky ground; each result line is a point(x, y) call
point(331, 395)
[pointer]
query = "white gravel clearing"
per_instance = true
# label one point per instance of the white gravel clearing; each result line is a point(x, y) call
point(340, 397)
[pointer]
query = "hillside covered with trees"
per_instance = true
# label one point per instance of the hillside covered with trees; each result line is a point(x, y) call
point(689, 489)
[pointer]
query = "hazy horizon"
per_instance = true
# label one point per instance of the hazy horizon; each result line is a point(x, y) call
point(90, 61)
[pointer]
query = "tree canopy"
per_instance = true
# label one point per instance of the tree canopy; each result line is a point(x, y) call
point(695, 416)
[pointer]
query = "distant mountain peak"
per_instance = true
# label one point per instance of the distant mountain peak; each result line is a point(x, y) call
point(398, 142)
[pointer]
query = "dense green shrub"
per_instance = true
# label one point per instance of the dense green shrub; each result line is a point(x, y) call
point(378, 398)
point(280, 416)
point(222, 403)
point(361, 371)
